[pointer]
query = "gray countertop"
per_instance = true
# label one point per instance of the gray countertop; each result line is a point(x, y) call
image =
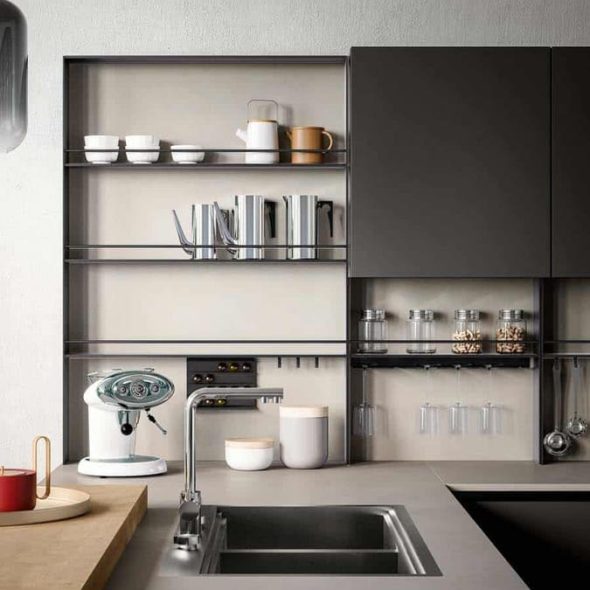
point(465, 556)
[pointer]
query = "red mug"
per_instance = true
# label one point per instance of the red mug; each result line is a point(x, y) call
point(18, 487)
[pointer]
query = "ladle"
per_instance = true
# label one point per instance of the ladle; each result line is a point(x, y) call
point(576, 425)
point(557, 442)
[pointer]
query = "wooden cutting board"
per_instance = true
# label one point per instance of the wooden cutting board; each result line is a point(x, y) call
point(79, 553)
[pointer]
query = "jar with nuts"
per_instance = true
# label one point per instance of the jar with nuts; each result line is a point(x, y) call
point(467, 333)
point(511, 331)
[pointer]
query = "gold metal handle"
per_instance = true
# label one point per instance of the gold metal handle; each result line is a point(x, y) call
point(289, 134)
point(330, 138)
point(47, 464)
point(1, 470)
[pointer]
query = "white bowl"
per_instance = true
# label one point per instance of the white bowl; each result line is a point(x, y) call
point(141, 141)
point(184, 157)
point(143, 157)
point(249, 454)
point(102, 142)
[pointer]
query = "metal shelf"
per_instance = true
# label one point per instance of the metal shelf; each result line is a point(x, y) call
point(206, 166)
point(424, 361)
point(87, 261)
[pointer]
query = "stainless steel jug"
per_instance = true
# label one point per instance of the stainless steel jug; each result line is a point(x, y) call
point(302, 224)
point(202, 230)
point(247, 236)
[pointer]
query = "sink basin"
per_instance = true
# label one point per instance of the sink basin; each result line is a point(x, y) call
point(308, 540)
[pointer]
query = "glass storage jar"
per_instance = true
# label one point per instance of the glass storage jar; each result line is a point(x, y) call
point(511, 331)
point(467, 332)
point(373, 331)
point(421, 330)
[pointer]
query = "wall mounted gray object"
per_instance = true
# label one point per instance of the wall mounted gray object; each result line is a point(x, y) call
point(13, 76)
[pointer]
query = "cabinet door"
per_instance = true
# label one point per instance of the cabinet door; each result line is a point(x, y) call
point(571, 162)
point(450, 162)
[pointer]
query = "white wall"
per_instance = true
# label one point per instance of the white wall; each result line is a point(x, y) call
point(30, 177)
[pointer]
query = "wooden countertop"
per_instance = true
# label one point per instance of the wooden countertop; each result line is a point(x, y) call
point(79, 553)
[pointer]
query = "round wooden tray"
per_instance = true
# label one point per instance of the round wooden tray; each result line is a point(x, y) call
point(62, 503)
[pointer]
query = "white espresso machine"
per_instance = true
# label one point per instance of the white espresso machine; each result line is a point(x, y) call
point(115, 400)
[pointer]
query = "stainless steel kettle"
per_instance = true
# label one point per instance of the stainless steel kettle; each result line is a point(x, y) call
point(302, 224)
point(246, 238)
point(202, 231)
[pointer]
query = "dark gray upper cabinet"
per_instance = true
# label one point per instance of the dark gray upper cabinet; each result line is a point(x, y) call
point(571, 162)
point(450, 162)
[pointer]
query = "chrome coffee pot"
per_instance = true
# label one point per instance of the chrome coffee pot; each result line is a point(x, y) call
point(303, 225)
point(246, 238)
point(202, 233)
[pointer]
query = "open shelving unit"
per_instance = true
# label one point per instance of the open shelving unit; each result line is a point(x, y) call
point(89, 108)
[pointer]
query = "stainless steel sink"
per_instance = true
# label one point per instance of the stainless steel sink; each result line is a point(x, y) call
point(337, 540)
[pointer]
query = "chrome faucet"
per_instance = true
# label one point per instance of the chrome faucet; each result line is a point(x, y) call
point(188, 534)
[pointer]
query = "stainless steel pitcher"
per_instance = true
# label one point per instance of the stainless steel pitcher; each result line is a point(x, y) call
point(249, 226)
point(202, 230)
point(302, 224)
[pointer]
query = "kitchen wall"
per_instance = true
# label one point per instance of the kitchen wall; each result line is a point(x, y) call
point(31, 177)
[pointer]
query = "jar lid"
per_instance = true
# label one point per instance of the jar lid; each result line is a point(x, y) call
point(250, 443)
point(421, 314)
point(511, 314)
point(303, 411)
point(373, 314)
point(467, 314)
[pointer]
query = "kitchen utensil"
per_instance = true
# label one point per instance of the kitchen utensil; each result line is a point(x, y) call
point(187, 154)
point(202, 232)
point(249, 454)
point(490, 419)
point(62, 503)
point(363, 418)
point(249, 227)
point(304, 436)
point(576, 425)
point(115, 399)
point(101, 142)
point(302, 224)
point(262, 132)
point(458, 418)
point(428, 419)
point(142, 142)
point(309, 138)
point(18, 487)
point(557, 442)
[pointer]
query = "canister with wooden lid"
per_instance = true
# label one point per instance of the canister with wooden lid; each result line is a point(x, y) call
point(304, 436)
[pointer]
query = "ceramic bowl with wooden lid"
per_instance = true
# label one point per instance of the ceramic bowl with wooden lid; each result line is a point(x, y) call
point(249, 454)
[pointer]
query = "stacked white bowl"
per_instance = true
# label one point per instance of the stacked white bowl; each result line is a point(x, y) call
point(101, 142)
point(142, 142)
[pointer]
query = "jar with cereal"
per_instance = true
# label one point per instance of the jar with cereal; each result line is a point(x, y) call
point(511, 331)
point(467, 332)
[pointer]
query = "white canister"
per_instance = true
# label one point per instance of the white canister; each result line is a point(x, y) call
point(304, 436)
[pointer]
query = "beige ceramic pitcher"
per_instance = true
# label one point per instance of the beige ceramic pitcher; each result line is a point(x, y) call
point(309, 138)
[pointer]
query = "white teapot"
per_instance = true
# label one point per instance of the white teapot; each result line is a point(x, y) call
point(262, 133)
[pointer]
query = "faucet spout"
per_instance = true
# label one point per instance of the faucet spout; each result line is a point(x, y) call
point(189, 530)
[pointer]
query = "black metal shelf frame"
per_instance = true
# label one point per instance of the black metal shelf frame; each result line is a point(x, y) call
point(337, 161)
